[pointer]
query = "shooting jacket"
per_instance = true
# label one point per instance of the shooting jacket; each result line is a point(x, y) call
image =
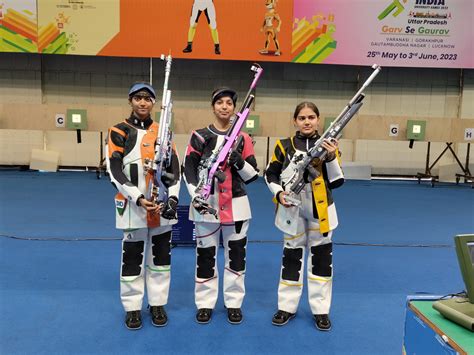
point(280, 169)
point(129, 143)
point(229, 197)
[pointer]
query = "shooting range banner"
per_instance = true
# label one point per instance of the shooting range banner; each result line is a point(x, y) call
point(410, 33)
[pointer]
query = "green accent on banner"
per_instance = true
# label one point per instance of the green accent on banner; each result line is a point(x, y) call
point(16, 41)
point(387, 11)
point(11, 47)
point(62, 50)
point(3, 28)
point(317, 51)
point(320, 43)
point(395, 5)
point(296, 58)
point(325, 52)
point(56, 44)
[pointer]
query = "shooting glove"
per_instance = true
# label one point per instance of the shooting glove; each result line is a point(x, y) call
point(170, 208)
point(236, 160)
point(330, 157)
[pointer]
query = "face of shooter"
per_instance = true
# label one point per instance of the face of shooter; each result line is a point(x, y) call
point(223, 109)
point(142, 105)
point(306, 121)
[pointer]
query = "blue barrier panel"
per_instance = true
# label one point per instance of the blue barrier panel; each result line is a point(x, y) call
point(183, 231)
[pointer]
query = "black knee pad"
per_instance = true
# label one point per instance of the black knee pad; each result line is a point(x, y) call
point(237, 254)
point(292, 259)
point(161, 249)
point(132, 257)
point(238, 226)
point(321, 258)
point(206, 260)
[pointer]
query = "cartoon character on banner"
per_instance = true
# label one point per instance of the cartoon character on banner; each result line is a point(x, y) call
point(269, 28)
point(200, 6)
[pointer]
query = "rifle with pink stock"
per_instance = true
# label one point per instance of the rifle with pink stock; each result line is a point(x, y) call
point(212, 168)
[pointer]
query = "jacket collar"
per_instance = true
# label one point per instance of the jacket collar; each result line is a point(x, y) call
point(214, 130)
point(300, 136)
point(135, 122)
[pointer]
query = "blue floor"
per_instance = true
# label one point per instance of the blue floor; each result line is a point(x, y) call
point(62, 297)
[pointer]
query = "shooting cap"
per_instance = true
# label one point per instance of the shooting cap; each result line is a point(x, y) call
point(143, 88)
point(223, 92)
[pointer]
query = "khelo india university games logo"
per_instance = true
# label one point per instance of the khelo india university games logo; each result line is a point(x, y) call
point(395, 8)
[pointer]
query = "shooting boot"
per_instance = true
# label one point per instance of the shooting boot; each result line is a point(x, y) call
point(203, 315)
point(282, 317)
point(234, 315)
point(158, 316)
point(322, 322)
point(133, 320)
